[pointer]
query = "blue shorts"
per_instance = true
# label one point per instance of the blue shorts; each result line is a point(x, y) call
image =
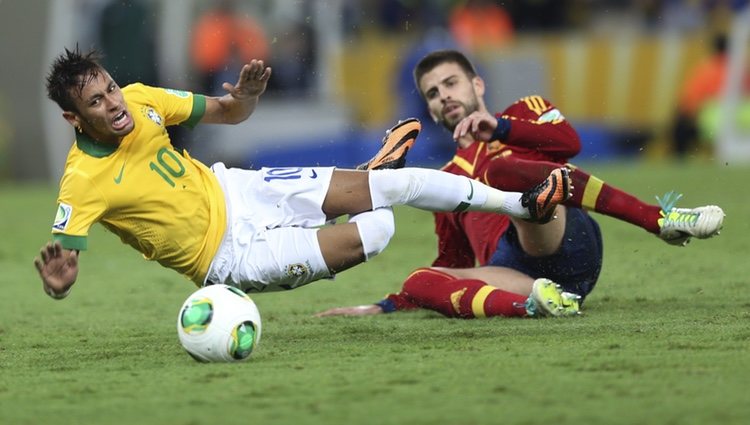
point(575, 266)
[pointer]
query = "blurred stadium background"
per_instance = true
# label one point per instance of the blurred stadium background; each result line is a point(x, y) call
point(342, 72)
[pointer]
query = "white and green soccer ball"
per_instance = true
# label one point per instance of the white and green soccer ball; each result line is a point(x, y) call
point(219, 323)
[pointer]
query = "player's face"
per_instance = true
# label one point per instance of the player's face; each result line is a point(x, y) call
point(450, 94)
point(102, 112)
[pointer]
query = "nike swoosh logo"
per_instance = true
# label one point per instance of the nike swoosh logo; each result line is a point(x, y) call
point(118, 179)
point(314, 175)
point(471, 194)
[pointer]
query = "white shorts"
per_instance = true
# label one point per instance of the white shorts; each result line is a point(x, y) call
point(271, 243)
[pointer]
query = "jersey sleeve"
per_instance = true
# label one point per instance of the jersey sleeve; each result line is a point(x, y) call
point(537, 124)
point(454, 249)
point(177, 106)
point(79, 205)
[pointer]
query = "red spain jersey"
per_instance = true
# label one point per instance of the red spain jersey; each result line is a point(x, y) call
point(538, 131)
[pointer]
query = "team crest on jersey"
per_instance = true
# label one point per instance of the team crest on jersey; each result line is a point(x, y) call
point(64, 211)
point(178, 93)
point(553, 115)
point(297, 270)
point(154, 116)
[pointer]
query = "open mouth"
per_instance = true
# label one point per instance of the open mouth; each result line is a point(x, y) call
point(121, 120)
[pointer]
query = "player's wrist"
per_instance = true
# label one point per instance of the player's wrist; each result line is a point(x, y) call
point(502, 130)
point(386, 305)
point(241, 97)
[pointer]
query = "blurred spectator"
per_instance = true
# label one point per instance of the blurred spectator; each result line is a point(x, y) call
point(702, 85)
point(293, 60)
point(223, 41)
point(5, 134)
point(542, 15)
point(480, 24)
point(679, 15)
point(394, 15)
point(126, 34)
point(404, 15)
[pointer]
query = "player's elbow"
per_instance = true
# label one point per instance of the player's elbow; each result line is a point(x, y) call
point(572, 142)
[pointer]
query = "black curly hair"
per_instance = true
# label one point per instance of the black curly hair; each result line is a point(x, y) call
point(71, 70)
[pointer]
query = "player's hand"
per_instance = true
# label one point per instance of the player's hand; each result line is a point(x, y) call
point(58, 269)
point(252, 82)
point(480, 125)
point(360, 310)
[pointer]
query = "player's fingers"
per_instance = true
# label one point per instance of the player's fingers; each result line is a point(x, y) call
point(73, 259)
point(254, 70)
point(245, 72)
point(44, 255)
point(458, 132)
point(468, 122)
point(38, 264)
point(360, 310)
point(475, 126)
point(266, 74)
point(56, 249)
point(229, 88)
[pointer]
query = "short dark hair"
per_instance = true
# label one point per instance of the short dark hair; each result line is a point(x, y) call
point(71, 70)
point(439, 57)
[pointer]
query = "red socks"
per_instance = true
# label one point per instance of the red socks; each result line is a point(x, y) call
point(464, 298)
point(589, 192)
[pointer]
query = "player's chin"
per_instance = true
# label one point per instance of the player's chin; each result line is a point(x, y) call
point(451, 123)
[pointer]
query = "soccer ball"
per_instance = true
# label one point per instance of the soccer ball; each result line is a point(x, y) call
point(219, 323)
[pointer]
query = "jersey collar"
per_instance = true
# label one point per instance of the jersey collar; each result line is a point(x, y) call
point(94, 148)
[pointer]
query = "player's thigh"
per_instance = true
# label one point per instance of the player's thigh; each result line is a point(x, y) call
point(575, 266)
point(275, 197)
point(278, 259)
point(341, 246)
point(500, 277)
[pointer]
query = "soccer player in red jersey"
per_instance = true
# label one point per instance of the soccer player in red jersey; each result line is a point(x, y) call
point(512, 150)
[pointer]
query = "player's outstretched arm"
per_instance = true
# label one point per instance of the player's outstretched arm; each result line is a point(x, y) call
point(241, 98)
point(58, 268)
point(360, 310)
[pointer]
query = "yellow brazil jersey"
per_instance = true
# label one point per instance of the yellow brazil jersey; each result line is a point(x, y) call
point(165, 204)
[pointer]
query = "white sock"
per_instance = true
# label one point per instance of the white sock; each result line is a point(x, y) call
point(376, 228)
point(506, 203)
point(435, 190)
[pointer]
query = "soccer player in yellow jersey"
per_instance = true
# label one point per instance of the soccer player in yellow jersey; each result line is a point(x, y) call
point(258, 230)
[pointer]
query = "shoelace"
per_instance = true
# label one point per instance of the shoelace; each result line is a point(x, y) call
point(668, 201)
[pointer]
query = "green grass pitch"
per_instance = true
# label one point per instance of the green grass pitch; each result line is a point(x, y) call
point(665, 338)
